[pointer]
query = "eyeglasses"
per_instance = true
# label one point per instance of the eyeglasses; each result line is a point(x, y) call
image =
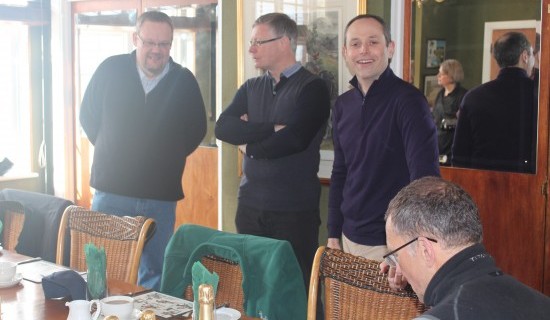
point(257, 43)
point(390, 257)
point(151, 44)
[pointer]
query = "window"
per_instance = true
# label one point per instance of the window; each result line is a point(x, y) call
point(15, 96)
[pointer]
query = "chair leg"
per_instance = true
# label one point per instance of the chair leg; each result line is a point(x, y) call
point(313, 295)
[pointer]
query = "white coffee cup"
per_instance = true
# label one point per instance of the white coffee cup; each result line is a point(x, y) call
point(7, 271)
point(120, 306)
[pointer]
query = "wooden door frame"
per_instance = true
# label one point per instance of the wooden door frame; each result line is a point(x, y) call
point(533, 260)
point(544, 103)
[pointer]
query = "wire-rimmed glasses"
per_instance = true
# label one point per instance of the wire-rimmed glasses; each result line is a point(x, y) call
point(258, 43)
point(390, 257)
point(152, 44)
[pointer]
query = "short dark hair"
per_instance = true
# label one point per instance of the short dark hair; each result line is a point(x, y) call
point(508, 48)
point(385, 27)
point(434, 207)
point(281, 24)
point(154, 16)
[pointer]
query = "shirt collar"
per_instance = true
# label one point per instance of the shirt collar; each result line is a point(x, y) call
point(143, 76)
point(288, 72)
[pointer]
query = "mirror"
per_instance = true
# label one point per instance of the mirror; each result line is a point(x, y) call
point(465, 30)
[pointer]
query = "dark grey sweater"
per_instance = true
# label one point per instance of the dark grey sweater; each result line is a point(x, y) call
point(280, 169)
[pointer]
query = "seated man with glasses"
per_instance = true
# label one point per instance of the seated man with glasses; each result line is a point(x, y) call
point(434, 229)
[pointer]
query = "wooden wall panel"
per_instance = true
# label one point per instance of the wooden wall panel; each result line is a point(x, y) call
point(200, 186)
point(511, 207)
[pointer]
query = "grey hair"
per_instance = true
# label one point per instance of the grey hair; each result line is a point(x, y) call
point(433, 207)
point(453, 69)
point(154, 16)
point(281, 24)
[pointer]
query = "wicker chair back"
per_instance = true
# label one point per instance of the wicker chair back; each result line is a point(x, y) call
point(355, 290)
point(122, 237)
point(12, 214)
point(230, 290)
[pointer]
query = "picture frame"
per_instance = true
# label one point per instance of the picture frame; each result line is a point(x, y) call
point(435, 52)
point(494, 29)
point(431, 88)
point(319, 45)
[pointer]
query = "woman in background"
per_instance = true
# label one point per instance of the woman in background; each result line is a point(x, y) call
point(447, 102)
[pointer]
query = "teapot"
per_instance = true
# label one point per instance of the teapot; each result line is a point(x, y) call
point(80, 310)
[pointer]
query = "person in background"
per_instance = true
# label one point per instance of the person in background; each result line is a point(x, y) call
point(278, 121)
point(435, 236)
point(384, 137)
point(446, 106)
point(536, 66)
point(497, 127)
point(144, 114)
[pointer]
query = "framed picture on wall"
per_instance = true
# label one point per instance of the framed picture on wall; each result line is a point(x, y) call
point(435, 53)
point(493, 30)
point(431, 88)
point(320, 39)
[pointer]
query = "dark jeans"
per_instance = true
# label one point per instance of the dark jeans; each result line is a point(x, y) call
point(164, 213)
point(300, 228)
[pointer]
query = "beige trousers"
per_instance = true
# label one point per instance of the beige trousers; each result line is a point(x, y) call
point(369, 252)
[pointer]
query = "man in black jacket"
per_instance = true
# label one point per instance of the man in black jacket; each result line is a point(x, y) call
point(434, 231)
point(496, 126)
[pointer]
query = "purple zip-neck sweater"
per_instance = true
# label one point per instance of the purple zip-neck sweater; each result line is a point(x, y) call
point(382, 142)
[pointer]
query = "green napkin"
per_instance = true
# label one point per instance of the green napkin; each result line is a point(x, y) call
point(97, 271)
point(201, 275)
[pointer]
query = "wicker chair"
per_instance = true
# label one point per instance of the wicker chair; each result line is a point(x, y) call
point(12, 215)
point(230, 290)
point(122, 237)
point(354, 289)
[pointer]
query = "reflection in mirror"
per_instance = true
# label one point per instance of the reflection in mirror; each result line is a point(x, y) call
point(194, 47)
point(464, 30)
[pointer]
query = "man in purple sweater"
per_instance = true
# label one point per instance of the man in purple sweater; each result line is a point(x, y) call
point(384, 138)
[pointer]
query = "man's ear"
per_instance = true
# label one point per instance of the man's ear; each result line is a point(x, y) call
point(134, 39)
point(427, 251)
point(525, 57)
point(391, 49)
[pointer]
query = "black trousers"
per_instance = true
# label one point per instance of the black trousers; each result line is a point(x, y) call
point(300, 228)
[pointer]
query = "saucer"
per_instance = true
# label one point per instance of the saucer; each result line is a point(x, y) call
point(15, 281)
point(134, 316)
point(227, 314)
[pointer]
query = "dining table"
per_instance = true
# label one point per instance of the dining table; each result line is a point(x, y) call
point(26, 300)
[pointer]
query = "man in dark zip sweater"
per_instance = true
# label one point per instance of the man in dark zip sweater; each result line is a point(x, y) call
point(144, 114)
point(384, 138)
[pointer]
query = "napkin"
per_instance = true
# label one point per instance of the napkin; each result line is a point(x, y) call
point(63, 284)
point(97, 267)
point(201, 275)
point(1, 226)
